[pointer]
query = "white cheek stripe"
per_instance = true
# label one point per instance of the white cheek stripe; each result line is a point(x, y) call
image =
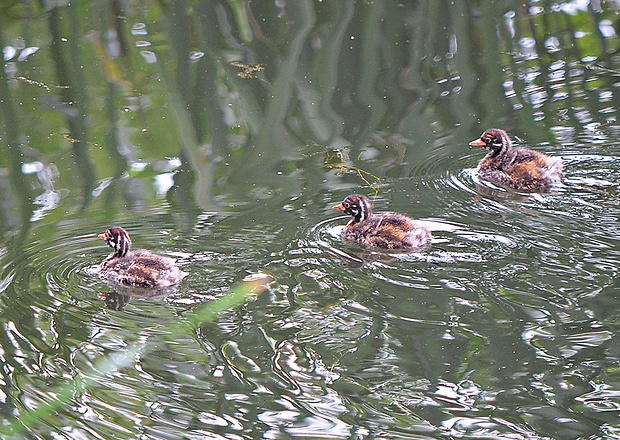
point(126, 244)
point(363, 211)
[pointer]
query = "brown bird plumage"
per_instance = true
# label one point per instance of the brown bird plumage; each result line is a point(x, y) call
point(139, 268)
point(518, 168)
point(388, 230)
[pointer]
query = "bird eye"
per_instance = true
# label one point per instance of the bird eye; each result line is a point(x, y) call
point(347, 205)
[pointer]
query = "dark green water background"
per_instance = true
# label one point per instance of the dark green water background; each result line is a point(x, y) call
point(222, 133)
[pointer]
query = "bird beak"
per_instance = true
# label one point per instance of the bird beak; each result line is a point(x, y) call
point(339, 207)
point(101, 236)
point(477, 143)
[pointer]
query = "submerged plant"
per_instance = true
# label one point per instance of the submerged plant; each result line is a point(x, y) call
point(339, 159)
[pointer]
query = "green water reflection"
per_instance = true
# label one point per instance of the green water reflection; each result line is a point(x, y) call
point(222, 132)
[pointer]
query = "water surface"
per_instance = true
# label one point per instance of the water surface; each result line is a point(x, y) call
point(222, 133)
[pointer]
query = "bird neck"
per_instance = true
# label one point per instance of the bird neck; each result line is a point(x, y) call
point(122, 247)
point(364, 211)
point(500, 149)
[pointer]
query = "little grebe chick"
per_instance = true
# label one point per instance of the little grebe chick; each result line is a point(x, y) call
point(388, 230)
point(139, 268)
point(518, 168)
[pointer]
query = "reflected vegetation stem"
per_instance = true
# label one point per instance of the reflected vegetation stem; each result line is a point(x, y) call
point(16, 160)
point(214, 125)
point(180, 193)
point(112, 130)
point(118, 22)
point(573, 48)
point(273, 127)
point(190, 147)
point(73, 93)
point(462, 109)
point(605, 54)
point(327, 67)
point(184, 107)
point(491, 70)
point(371, 59)
point(18, 181)
point(546, 62)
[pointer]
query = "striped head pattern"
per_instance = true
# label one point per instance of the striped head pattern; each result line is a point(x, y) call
point(357, 206)
point(495, 140)
point(118, 239)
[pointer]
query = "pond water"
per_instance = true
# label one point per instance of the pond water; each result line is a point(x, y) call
point(221, 133)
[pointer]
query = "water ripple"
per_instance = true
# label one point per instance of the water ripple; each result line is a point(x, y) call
point(453, 244)
point(58, 262)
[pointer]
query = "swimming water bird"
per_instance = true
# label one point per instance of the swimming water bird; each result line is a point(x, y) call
point(387, 231)
point(139, 267)
point(517, 168)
